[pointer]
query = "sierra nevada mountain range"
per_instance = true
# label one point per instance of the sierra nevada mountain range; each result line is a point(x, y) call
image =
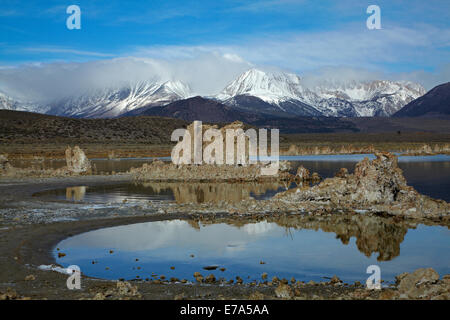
point(254, 91)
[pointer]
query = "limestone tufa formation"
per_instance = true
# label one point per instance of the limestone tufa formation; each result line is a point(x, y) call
point(76, 160)
point(378, 185)
point(3, 162)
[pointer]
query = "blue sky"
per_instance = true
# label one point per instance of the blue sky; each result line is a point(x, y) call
point(298, 35)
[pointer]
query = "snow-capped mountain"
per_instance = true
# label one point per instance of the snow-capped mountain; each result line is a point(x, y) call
point(269, 87)
point(366, 99)
point(284, 92)
point(256, 91)
point(8, 103)
point(112, 102)
point(272, 92)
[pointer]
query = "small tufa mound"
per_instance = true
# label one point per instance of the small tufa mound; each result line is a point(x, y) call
point(374, 182)
point(5, 167)
point(377, 185)
point(378, 181)
point(302, 173)
point(4, 163)
point(76, 160)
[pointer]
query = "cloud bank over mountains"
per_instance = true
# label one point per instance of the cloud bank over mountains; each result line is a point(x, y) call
point(206, 73)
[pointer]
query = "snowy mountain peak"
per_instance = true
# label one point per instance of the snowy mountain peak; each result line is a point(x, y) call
point(256, 90)
point(112, 102)
point(348, 99)
point(9, 103)
point(177, 88)
point(366, 90)
point(271, 87)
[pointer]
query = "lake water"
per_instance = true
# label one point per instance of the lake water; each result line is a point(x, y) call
point(179, 192)
point(302, 249)
point(429, 175)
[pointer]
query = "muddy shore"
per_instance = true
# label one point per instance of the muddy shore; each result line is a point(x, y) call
point(31, 227)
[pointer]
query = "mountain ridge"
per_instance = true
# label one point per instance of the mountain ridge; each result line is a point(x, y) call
point(434, 103)
point(254, 91)
point(370, 98)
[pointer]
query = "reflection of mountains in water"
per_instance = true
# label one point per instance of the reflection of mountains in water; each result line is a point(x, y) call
point(373, 234)
point(199, 192)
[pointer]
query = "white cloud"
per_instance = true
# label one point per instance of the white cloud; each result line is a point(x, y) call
point(206, 73)
point(353, 53)
point(428, 79)
point(354, 46)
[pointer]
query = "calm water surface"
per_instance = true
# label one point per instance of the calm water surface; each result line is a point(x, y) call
point(306, 251)
point(429, 175)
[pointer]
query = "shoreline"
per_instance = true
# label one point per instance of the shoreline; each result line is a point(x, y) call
point(26, 244)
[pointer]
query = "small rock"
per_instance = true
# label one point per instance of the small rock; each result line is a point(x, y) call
point(126, 289)
point(284, 291)
point(198, 277)
point(400, 277)
point(256, 296)
point(210, 267)
point(30, 278)
point(335, 280)
point(10, 294)
point(387, 294)
point(181, 296)
point(99, 296)
point(414, 285)
point(342, 173)
point(210, 279)
point(302, 173)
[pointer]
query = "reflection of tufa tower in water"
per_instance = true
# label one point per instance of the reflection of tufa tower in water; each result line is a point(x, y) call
point(75, 193)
